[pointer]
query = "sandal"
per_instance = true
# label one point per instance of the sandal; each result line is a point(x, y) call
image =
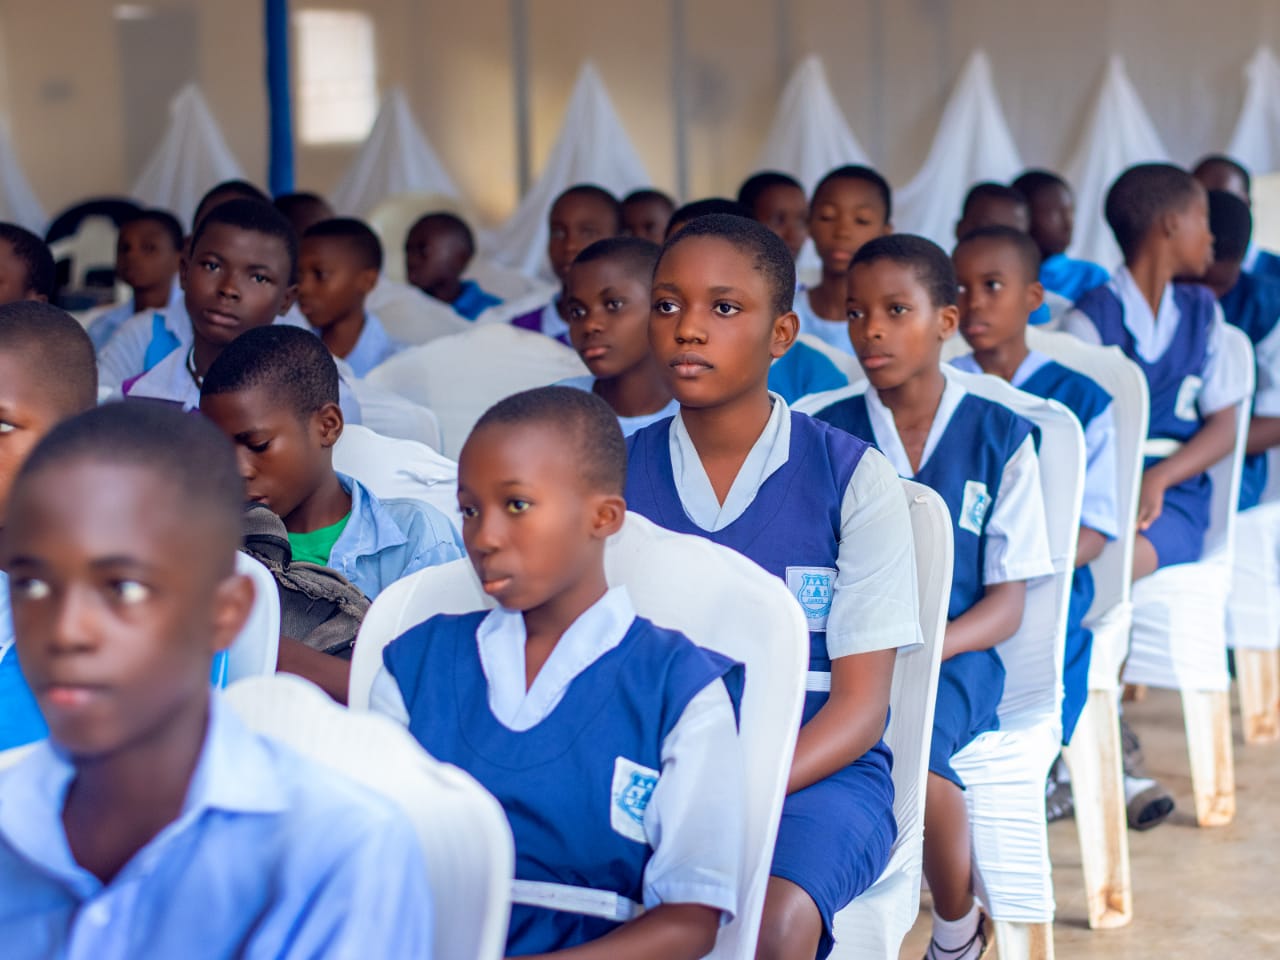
point(1147, 803)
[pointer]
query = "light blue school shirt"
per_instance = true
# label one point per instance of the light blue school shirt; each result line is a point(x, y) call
point(388, 539)
point(372, 348)
point(473, 300)
point(1068, 278)
point(20, 719)
point(105, 326)
point(629, 425)
point(273, 856)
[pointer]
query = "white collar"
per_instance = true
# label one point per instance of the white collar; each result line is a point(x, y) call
point(1152, 333)
point(169, 380)
point(1030, 365)
point(886, 430)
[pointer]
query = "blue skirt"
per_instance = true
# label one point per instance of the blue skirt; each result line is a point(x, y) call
point(835, 836)
point(969, 689)
point(1079, 651)
point(1178, 533)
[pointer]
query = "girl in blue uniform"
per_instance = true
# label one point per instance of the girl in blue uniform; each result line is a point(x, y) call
point(610, 742)
point(812, 505)
point(981, 458)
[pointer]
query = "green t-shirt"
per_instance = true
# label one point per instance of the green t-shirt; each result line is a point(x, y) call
point(316, 546)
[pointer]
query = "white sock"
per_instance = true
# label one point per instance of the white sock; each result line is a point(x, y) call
point(1135, 785)
point(950, 936)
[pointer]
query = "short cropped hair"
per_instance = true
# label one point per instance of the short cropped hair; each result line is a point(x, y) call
point(637, 255)
point(291, 364)
point(754, 186)
point(1231, 223)
point(647, 195)
point(1141, 196)
point(55, 348)
point(166, 220)
point(188, 454)
point(35, 256)
point(355, 235)
point(586, 422)
point(256, 216)
point(1031, 182)
point(929, 261)
point(855, 171)
point(449, 223)
point(706, 207)
point(594, 192)
point(989, 190)
point(769, 255)
point(1022, 243)
point(1222, 160)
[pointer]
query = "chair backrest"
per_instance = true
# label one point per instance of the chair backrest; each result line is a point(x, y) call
point(393, 468)
point(392, 415)
point(505, 282)
point(93, 245)
point(257, 647)
point(1033, 656)
point(1219, 540)
point(464, 833)
point(409, 315)
point(461, 376)
point(1124, 380)
point(846, 363)
point(715, 596)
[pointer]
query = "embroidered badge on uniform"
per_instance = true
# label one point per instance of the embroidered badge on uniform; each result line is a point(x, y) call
point(1184, 408)
point(974, 507)
point(632, 789)
point(813, 587)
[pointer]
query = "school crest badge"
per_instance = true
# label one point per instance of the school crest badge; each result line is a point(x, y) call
point(633, 786)
point(974, 507)
point(1184, 408)
point(813, 588)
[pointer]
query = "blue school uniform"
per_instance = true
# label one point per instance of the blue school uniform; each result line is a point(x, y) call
point(473, 301)
point(1068, 278)
point(373, 347)
point(835, 836)
point(629, 425)
point(603, 738)
point(801, 371)
point(1261, 262)
point(20, 719)
point(1253, 305)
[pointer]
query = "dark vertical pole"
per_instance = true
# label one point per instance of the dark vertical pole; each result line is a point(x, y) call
point(279, 101)
point(520, 70)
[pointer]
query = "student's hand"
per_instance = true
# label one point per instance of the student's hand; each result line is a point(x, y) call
point(1150, 499)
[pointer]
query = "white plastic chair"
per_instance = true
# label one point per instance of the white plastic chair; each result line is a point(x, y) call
point(392, 218)
point(463, 831)
point(1094, 756)
point(1005, 770)
point(92, 246)
point(714, 595)
point(502, 313)
point(505, 282)
point(409, 315)
point(875, 923)
point(256, 648)
point(393, 468)
point(846, 363)
point(392, 415)
point(1179, 622)
point(460, 376)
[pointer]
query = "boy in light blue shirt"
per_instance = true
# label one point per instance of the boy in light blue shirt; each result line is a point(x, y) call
point(148, 248)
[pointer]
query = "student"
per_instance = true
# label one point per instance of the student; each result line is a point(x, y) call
point(1251, 302)
point(980, 457)
point(437, 251)
point(148, 250)
point(580, 216)
point(1218, 172)
point(153, 822)
point(704, 208)
point(1053, 208)
point(778, 201)
point(611, 743)
point(47, 374)
point(850, 206)
point(993, 205)
point(304, 210)
point(815, 507)
point(27, 270)
point(338, 265)
point(996, 268)
point(607, 293)
point(646, 213)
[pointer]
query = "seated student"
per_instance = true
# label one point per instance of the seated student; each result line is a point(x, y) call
point(607, 292)
point(153, 822)
point(148, 249)
point(993, 205)
point(815, 507)
point(338, 264)
point(1251, 302)
point(981, 459)
point(996, 268)
point(304, 210)
point(437, 251)
point(850, 206)
point(47, 374)
point(1053, 209)
point(646, 213)
point(641, 805)
point(580, 216)
point(778, 201)
point(145, 339)
point(1218, 172)
point(27, 270)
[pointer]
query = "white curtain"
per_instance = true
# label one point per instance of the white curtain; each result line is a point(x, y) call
point(397, 158)
point(973, 143)
point(1118, 134)
point(1256, 140)
point(592, 147)
point(18, 202)
point(192, 157)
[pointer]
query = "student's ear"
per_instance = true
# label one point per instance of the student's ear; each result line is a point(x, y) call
point(609, 513)
point(948, 321)
point(232, 604)
point(1035, 296)
point(366, 280)
point(328, 423)
point(290, 298)
point(785, 330)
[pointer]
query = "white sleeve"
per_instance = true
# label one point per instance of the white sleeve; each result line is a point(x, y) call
point(385, 697)
point(1017, 533)
point(873, 603)
point(1099, 510)
point(126, 351)
point(1222, 385)
point(1078, 324)
point(1266, 355)
point(696, 819)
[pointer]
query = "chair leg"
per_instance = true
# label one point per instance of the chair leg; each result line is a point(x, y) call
point(1207, 714)
point(1024, 941)
point(1258, 675)
point(1097, 786)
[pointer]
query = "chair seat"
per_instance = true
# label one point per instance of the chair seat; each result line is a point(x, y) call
point(1253, 609)
point(1179, 627)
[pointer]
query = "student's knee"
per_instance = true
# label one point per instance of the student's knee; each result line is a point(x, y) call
point(1145, 559)
point(791, 926)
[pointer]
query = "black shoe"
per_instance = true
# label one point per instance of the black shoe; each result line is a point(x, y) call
point(980, 937)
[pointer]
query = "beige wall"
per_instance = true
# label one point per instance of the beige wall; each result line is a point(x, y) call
point(890, 61)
